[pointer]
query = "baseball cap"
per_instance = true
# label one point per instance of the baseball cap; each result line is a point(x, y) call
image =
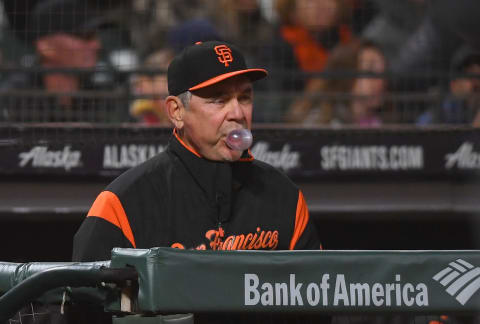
point(64, 16)
point(203, 64)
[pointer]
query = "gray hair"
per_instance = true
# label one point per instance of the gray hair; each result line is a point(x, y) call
point(185, 98)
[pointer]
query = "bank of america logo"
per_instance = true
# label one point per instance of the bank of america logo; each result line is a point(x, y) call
point(461, 279)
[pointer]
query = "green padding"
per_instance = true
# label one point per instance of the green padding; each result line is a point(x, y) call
point(11, 274)
point(181, 281)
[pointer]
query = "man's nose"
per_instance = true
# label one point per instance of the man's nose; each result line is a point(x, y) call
point(235, 111)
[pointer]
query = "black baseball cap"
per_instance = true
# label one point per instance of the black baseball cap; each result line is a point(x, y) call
point(203, 64)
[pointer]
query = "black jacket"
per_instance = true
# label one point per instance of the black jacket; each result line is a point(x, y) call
point(178, 199)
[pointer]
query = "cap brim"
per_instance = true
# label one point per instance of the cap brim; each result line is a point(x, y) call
point(252, 74)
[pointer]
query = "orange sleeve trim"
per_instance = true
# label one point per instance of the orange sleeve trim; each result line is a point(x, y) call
point(185, 145)
point(301, 220)
point(108, 206)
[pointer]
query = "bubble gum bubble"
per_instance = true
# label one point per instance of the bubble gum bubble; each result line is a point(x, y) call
point(239, 139)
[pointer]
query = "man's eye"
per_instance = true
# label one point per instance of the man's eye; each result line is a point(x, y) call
point(245, 99)
point(217, 100)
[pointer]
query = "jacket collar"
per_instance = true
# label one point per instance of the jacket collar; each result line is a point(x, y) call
point(217, 179)
point(247, 155)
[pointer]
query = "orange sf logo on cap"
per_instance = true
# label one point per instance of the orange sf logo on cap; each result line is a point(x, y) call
point(224, 54)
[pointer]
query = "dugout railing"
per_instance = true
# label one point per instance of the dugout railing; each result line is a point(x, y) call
point(171, 281)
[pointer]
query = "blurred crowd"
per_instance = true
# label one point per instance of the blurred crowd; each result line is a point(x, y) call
point(365, 63)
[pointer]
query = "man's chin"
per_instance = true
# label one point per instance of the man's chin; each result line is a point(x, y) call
point(232, 155)
point(233, 158)
point(224, 155)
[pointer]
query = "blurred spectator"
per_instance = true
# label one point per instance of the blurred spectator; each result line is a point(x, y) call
point(343, 99)
point(307, 32)
point(360, 13)
point(150, 110)
point(311, 28)
point(242, 23)
point(461, 17)
point(394, 24)
point(149, 21)
point(392, 29)
point(462, 102)
point(427, 53)
point(189, 32)
point(64, 35)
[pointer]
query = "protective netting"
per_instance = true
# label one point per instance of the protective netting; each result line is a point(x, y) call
point(331, 62)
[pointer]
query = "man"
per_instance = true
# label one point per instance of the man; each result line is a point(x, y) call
point(199, 193)
point(461, 104)
point(150, 110)
point(64, 35)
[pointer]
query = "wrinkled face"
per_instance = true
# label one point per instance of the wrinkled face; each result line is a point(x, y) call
point(65, 50)
point(213, 112)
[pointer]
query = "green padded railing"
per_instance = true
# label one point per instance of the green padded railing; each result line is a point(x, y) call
point(50, 282)
point(11, 274)
point(173, 281)
point(179, 281)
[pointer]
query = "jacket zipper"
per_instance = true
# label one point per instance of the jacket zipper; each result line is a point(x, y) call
point(218, 199)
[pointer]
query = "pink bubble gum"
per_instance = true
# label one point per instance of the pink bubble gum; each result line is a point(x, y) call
point(239, 139)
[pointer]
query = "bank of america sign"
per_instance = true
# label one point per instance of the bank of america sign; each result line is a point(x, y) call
point(460, 279)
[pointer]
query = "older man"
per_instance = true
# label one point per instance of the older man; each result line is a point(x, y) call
point(200, 193)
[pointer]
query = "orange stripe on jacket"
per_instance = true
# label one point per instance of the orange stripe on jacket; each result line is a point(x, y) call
point(301, 220)
point(108, 206)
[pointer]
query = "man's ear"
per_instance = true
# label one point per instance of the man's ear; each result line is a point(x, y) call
point(175, 111)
